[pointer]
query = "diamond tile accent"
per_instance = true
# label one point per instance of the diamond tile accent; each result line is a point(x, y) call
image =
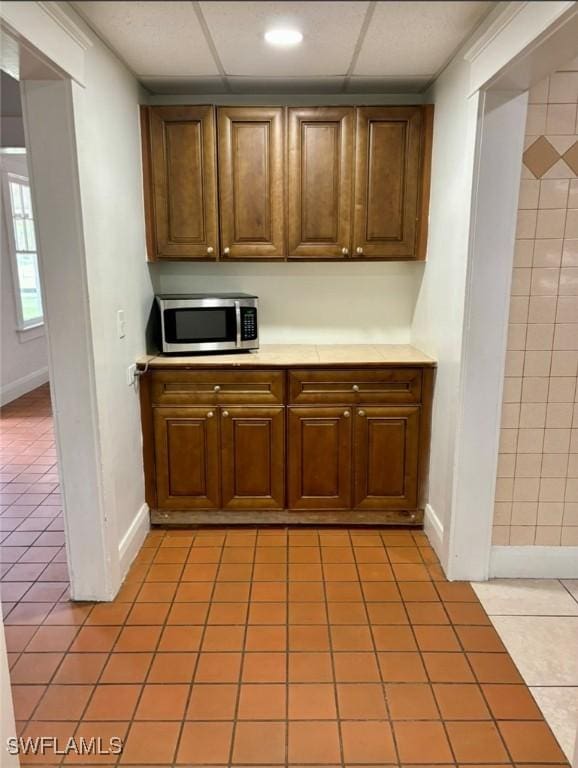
point(571, 157)
point(540, 156)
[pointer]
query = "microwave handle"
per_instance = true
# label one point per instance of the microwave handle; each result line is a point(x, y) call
point(238, 322)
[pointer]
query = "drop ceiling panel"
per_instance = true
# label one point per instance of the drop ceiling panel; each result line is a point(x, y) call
point(416, 38)
point(330, 33)
point(154, 38)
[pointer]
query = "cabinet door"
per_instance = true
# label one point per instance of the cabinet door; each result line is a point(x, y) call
point(387, 181)
point(184, 182)
point(187, 458)
point(319, 448)
point(253, 458)
point(251, 148)
point(320, 181)
point(386, 457)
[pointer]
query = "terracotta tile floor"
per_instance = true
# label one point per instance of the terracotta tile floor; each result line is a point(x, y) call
point(325, 647)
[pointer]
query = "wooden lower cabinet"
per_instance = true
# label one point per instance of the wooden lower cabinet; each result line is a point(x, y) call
point(386, 452)
point(319, 458)
point(283, 446)
point(253, 458)
point(187, 458)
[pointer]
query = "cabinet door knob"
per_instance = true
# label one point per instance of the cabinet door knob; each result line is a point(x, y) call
point(216, 388)
point(210, 250)
point(355, 387)
point(361, 413)
point(347, 414)
point(345, 251)
point(226, 251)
point(359, 250)
point(210, 415)
point(225, 414)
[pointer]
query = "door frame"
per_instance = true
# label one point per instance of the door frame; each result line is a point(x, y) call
point(543, 34)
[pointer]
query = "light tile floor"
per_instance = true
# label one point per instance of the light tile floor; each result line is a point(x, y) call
point(537, 620)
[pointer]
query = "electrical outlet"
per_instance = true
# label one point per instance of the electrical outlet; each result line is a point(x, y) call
point(120, 324)
point(131, 375)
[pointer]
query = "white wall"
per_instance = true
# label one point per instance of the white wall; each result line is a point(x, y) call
point(106, 113)
point(439, 312)
point(329, 303)
point(23, 361)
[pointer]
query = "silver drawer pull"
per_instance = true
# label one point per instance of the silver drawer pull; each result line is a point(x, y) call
point(355, 387)
point(216, 388)
point(225, 414)
point(210, 415)
point(347, 414)
point(361, 413)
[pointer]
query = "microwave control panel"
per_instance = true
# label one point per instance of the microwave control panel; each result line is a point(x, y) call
point(248, 323)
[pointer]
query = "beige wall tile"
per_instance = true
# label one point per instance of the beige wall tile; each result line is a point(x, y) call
point(524, 512)
point(571, 229)
point(536, 119)
point(559, 415)
point(553, 193)
point(567, 309)
point(565, 336)
point(550, 512)
point(521, 281)
point(535, 389)
point(504, 489)
point(550, 223)
point(573, 440)
point(517, 336)
point(532, 415)
point(522, 535)
point(508, 440)
point(573, 465)
point(568, 281)
point(570, 253)
point(519, 309)
point(530, 440)
point(556, 440)
point(530, 193)
point(526, 225)
point(541, 309)
point(525, 489)
point(572, 490)
point(510, 415)
point(573, 194)
point(570, 514)
point(502, 512)
point(540, 336)
point(562, 389)
point(523, 253)
point(547, 252)
point(515, 362)
point(563, 88)
point(560, 118)
point(512, 390)
point(526, 464)
point(548, 535)
point(564, 364)
point(501, 535)
point(554, 465)
point(569, 536)
point(506, 464)
point(537, 363)
point(552, 489)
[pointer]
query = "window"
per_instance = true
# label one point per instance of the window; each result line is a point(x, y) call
point(25, 259)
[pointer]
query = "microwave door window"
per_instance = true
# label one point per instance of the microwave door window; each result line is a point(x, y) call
point(195, 326)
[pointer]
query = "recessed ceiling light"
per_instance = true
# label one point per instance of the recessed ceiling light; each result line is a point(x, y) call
point(283, 38)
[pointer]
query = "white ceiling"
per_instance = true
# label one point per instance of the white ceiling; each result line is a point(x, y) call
point(218, 47)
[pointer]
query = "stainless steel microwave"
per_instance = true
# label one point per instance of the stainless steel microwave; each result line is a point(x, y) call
point(200, 322)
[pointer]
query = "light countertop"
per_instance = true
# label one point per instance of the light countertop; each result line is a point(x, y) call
point(296, 355)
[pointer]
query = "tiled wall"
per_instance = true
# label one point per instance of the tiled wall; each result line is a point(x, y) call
point(537, 485)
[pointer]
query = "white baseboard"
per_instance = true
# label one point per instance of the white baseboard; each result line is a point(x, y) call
point(21, 386)
point(534, 562)
point(132, 540)
point(434, 529)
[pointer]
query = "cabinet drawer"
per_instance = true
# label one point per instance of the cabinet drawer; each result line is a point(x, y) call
point(218, 387)
point(391, 385)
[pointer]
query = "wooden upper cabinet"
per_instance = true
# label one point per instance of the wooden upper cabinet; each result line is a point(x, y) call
point(181, 190)
point(320, 177)
point(390, 175)
point(251, 184)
